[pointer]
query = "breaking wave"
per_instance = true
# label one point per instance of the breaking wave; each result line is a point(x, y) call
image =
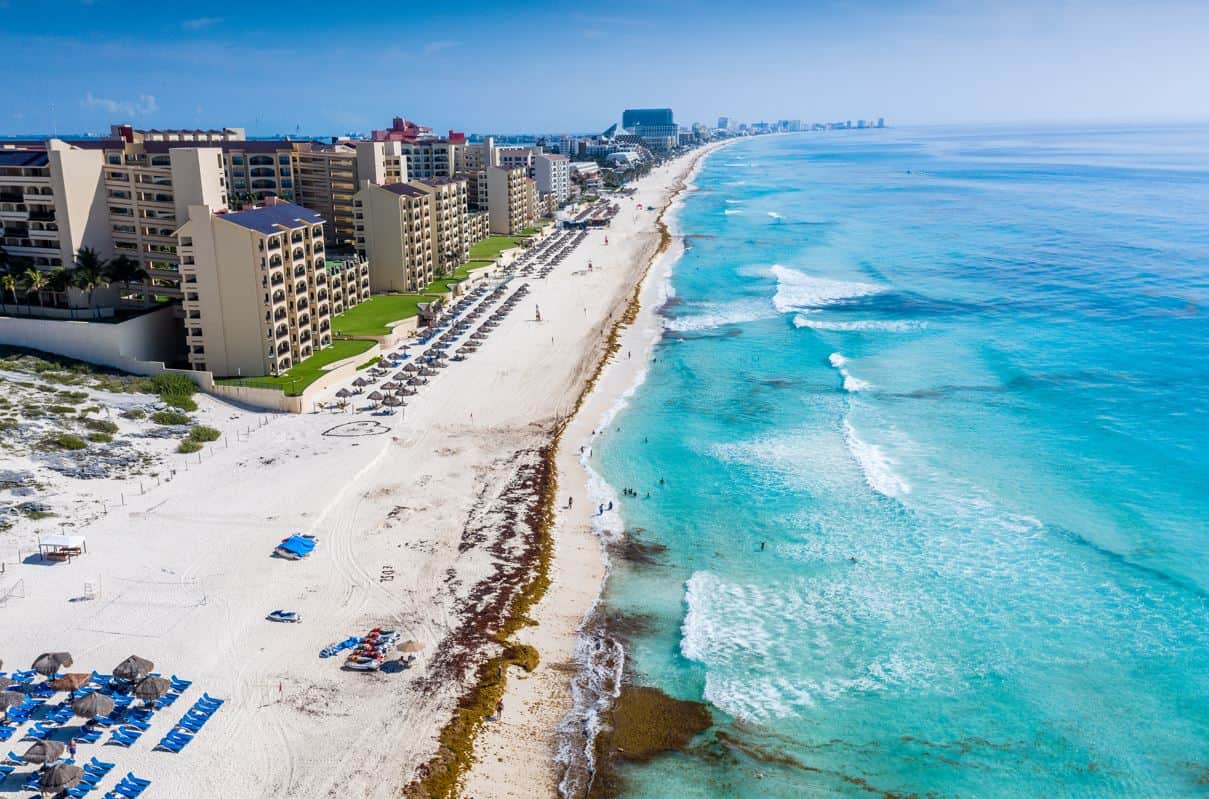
point(797, 291)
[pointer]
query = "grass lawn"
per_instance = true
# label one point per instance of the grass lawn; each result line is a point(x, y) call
point(295, 381)
point(490, 248)
point(371, 317)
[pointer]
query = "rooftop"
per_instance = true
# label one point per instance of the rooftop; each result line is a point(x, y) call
point(23, 158)
point(404, 190)
point(272, 218)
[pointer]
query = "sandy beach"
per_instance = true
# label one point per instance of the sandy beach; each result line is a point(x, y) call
point(426, 524)
point(538, 747)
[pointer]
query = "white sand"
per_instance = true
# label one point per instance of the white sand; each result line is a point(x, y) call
point(185, 577)
point(517, 755)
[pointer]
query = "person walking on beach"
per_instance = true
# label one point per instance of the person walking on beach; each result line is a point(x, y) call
point(601, 511)
point(570, 502)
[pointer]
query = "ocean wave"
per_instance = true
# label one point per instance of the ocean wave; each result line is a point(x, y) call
point(732, 211)
point(774, 215)
point(797, 291)
point(719, 314)
point(876, 466)
point(879, 325)
point(851, 384)
point(733, 202)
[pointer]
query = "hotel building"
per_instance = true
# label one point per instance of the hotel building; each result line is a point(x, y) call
point(256, 297)
point(451, 238)
point(394, 229)
point(52, 203)
point(511, 200)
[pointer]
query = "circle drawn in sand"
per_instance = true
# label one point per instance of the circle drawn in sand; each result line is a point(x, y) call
point(353, 429)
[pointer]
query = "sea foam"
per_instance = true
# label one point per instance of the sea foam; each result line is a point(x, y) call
point(876, 466)
point(719, 314)
point(860, 325)
point(851, 384)
point(798, 291)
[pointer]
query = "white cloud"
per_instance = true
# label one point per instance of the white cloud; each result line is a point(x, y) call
point(201, 23)
point(144, 105)
point(438, 46)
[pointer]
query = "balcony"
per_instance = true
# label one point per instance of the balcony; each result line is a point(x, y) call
point(281, 314)
point(278, 296)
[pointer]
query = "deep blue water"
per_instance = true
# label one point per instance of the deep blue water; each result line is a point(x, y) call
point(956, 382)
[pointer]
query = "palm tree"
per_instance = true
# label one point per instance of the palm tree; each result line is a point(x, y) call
point(8, 283)
point(89, 274)
point(35, 281)
point(57, 282)
point(125, 270)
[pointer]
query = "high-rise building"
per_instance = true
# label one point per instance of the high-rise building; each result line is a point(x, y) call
point(394, 232)
point(724, 123)
point(255, 288)
point(553, 175)
point(52, 203)
point(655, 126)
point(510, 208)
point(451, 237)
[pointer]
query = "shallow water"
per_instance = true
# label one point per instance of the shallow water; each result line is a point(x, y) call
point(930, 413)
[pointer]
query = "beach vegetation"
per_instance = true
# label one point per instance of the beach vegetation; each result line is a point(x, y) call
point(67, 441)
point(134, 413)
point(100, 438)
point(201, 434)
point(60, 409)
point(169, 417)
point(188, 445)
point(176, 390)
point(101, 425)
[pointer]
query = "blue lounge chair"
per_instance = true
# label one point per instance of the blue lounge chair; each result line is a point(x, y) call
point(179, 685)
point(6, 733)
point(101, 764)
point(6, 770)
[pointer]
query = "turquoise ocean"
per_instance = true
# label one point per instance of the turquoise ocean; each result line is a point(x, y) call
point(931, 415)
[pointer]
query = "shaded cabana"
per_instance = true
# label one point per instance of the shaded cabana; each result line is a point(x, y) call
point(376, 396)
point(344, 393)
point(62, 547)
point(10, 700)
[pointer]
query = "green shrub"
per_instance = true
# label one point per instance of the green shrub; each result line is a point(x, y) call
point(188, 445)
point(201, 433)
point(101, 425)
point(100, 438)
point(169, 417)
point(134, 413)
point(60, 409)
point(67, 441)
point(176, 390)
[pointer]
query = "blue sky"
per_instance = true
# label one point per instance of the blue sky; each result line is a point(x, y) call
point(277, 67)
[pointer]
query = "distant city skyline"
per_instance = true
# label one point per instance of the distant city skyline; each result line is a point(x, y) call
point(78, 66)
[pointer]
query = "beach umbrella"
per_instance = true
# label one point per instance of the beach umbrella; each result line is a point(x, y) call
point(70, 682)
point(92, 705)
point(11, 699)
point(411, 646)
point(5, 682)
point(390, 386)
point(45, 752)
point(344, 392)
point(392, 401)
point(60, 777)
point(376, 395)
point(411, 367)
point(49, 663)
point(133, 669)
point(150, 689)
point(360, 382)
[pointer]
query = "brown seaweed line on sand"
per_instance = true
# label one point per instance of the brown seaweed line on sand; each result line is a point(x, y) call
point(511, 599)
